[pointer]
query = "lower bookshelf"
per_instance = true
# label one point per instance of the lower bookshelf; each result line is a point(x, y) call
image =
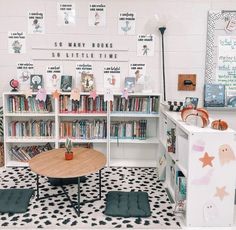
point(132, 163)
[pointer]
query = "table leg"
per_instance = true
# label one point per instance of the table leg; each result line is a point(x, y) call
point(37, 182)
point(100, 184)
point(78, 208)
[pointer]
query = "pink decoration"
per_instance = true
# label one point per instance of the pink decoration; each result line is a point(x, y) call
point(125, 94)
point(108, 96)
point(41, 95)
point(205, 180)
point(93, 94)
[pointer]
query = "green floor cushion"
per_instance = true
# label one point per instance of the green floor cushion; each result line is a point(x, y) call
point(127, 204)
point(15, 200)
point(65, 181)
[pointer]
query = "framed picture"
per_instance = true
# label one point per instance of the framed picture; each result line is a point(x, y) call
point(87, 82)
point(66, 83)
point(36, 82)
point(130, 84)
point(214, 95)
point(191, 102)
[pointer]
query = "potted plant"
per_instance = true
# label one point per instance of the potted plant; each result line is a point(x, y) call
point(68, 153)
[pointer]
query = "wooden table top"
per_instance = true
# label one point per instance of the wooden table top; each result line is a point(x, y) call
point(53, 164)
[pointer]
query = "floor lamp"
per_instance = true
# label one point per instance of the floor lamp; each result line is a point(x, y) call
point(162, 30)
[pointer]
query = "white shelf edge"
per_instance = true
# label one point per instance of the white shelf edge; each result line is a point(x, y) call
point(12, 163)
point(182, 169)
point(84, 140)
point(132, 163)
point(127, 114)
point(29, 140)
point(29, 114)
point(152, 140)
point(82, 114)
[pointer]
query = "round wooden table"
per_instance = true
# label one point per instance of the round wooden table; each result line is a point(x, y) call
point(53, 164)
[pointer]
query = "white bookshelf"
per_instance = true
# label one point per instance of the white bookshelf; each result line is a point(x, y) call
point(191, 144)
point(131, 152)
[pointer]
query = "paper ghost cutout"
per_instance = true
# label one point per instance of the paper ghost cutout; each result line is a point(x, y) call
point(204, 180)
point(125, 94)
point(41, 95)
point(226, 154)
point(108, 96)
point(93, 94)
point(210, 211)
point(75, 95)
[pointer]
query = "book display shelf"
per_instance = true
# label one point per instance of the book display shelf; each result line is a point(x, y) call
point(200, 171)
point(111, 127)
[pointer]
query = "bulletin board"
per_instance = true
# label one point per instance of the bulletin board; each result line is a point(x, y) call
point(221, 49)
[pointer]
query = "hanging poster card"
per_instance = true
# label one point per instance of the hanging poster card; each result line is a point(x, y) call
point(145, 45)
point(97, 15)
point(138, 70)
point(226, 68)
point(36, 23)
point(126, 23)
point(112, 77)
point(82, 68)
point(16, 42)
point(53, 76)
point(66, 14)
point(24, 70)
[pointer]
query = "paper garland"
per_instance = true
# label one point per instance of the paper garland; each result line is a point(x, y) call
point(56, 94)
point(93, 94)
point(75, 94)
point(41, 95)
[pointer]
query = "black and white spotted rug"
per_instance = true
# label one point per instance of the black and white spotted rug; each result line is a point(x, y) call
point(57, 213)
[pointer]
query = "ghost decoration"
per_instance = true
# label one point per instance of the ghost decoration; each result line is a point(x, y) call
point(108, 96)
point(226, 154)
point(41, 95)
point(210, 211)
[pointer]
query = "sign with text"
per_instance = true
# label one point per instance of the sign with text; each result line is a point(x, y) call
point(97, 15)
point(24, 70)
point(66, 14)
point(112, 77)
point(36, 23)
point(145, 45)
point(16, 42)
point(126, 23)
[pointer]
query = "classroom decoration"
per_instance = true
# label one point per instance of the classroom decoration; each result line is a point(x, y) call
point(82, 67)
point(66, 83)
point(199, 146)
point(191, 102)
point(210, 211)
point(27, 93)
point(65, 13)
point(126, 23)
point(145, 45)
point(226, 154)
point(14, 84)
point(53, 74)
point(221, 193)
point(23, 72)
point(198, 117)
point(204, 180)
point(214, 95)
point(36, 82)
point(93, 94)
point(75, 94)
point(55, 94)
point(219, 124)
point(36, 22)
point(41, 95)
point(87, 82)
point(112, 77)
point(187, 82)
point(97, 15)
point(130, 84)
point(125, 94)
point(206, 160)
point(108, 95)
point(175, 106)
point(138, 70)
point(16, 42)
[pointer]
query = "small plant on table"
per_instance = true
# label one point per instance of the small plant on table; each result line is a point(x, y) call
point(68, 146)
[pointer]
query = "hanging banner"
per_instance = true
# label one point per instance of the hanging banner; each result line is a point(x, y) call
point(112, 77)
point(145, 45)
point(65, 14)
point(226, 68)
point(97, 14)
point(24, 70)
point(138, 71)
point(126, 23)
point(53, 76)
point(16, 42)
point(36, 23)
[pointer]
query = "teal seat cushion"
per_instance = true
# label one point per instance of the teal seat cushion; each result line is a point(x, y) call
point(127, 204)
point(15, 200)
point(65, 181)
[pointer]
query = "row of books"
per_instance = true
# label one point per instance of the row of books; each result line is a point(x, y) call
point(129, 129)
point(32, 128)
point(84, 129)
point(135, 104)
point(181, 185)
point(19, 103)
point(171, 140)
point(25, 153)
point(86, 104)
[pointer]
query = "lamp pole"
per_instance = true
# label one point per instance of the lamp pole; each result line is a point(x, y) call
point(162, 30)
